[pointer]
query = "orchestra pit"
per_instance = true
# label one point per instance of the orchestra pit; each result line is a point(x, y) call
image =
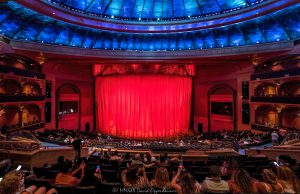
point(149, 96)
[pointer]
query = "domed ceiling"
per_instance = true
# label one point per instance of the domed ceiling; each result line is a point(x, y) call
point(21, 23)
point(154, 10)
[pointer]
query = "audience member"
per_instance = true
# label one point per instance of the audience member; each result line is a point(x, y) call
point(241, 182)
point(69, 178)
point(161, 179)
point(269, 184)
point(163, 162)
point(137, 160)
point(135, 177)
point(186, 183)
point(288, 179)
point(77, 147)
point(176, 159)
point(115, 159)
point(214, 183)
point(13, 183)
point(60, 164)
point(282, 134)
point(149, 158)
point(92, 176)
point(274, 137)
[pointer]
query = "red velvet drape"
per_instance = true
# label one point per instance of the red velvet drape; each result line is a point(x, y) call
point(143, 106)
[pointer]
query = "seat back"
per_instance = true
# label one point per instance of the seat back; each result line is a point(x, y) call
point(110, 175)
point(63, 188)
point(85, 190)
point(40, 182)
point(51, 174)
point(110, 188)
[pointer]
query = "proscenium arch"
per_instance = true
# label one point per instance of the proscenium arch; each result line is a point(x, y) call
point(58, 91)
point(233, 93)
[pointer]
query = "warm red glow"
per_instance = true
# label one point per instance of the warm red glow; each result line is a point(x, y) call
point(143, 106)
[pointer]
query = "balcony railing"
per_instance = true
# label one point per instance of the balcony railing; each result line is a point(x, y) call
point(263, 128)
point(277, 99)
point(276, 74)
point(27, 126)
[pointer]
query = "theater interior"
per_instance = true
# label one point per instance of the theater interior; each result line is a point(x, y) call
point(149, 96)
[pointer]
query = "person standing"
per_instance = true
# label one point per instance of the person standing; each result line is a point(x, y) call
point(282, 134)
point(275, 138)
point(77, 147)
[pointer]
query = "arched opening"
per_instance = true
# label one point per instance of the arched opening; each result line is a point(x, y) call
point(68, 107)
point(221, 113)
point(10, 87)
point(266, 90)
point(31, 114)
point(290, 118)
point(10, 117)
point(32, 89)
point(290, 89)
point(266, 115)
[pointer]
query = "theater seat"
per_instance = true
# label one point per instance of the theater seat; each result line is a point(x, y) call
point(51, 174)
point(63, 188)
point(218, 192)
point(109, 188)
point(110, 175)
point(40, 182)
point(85, 190)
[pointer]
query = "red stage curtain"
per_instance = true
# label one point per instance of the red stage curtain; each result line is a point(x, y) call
point(143, 106)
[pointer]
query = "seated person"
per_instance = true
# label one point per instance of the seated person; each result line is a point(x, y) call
point(161, 179)
point(13, 183)
point(137, 160)
point(288, 179)
point(176, 159)
point(92, 176)
point(241, 182)
point(115, 156)
point(60, 164)
point(214, 183)
point(269, 184)
point(163, 161)
point(135, 177)
point(149, 158)
point(184, 183)
point(68, 178)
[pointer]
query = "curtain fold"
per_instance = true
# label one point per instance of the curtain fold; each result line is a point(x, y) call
point(143, 106)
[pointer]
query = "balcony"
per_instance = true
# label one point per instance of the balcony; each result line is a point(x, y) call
point(20, 98)
point(20, 72)
point(276, 74)
point(277, 99)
